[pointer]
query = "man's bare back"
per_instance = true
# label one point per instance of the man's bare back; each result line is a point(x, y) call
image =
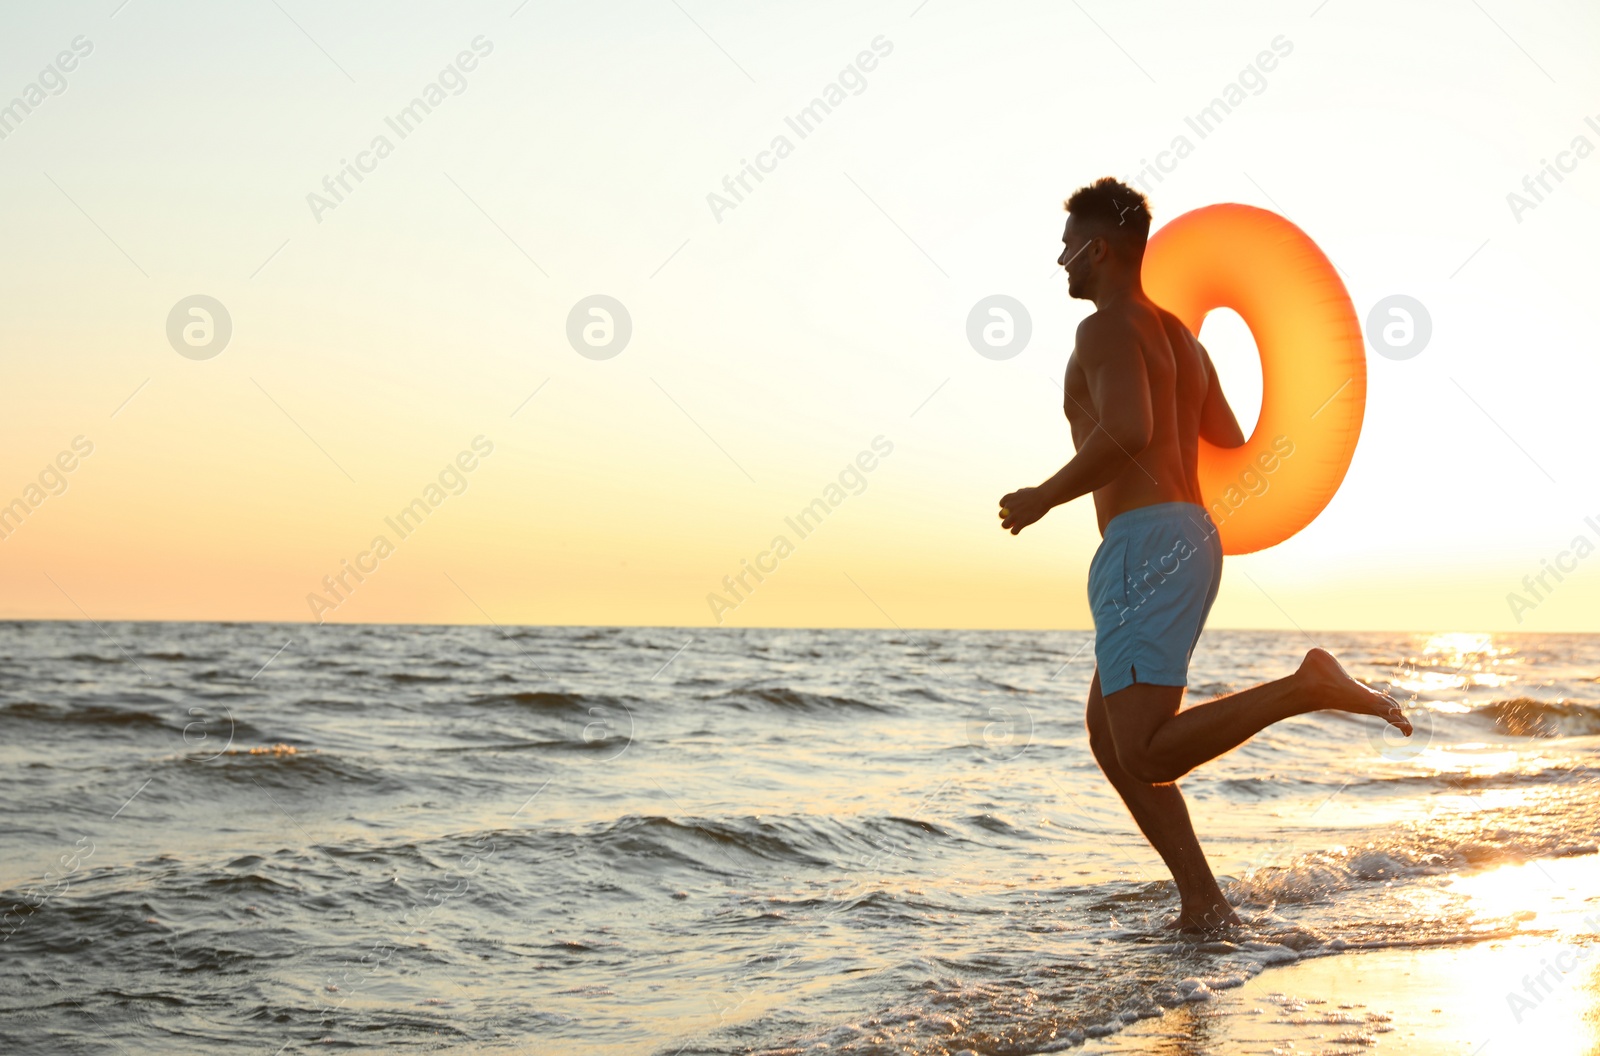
point(1140, 393)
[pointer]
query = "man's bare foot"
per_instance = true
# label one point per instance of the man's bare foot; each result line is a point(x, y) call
point(1206, 920)
point(1327, 680)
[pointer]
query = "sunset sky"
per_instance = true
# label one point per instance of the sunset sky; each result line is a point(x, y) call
point(574, 149)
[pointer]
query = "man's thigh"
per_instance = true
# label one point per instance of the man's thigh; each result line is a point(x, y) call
point(1094, 712)
point(1135, 713)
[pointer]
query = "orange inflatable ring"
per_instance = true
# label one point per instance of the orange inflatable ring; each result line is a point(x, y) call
point(1313, 364)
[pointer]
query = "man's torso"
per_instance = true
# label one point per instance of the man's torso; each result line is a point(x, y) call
point(1175, 370)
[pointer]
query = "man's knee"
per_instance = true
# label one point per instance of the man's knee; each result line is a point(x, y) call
point(1135, 761)
point(1142, 764)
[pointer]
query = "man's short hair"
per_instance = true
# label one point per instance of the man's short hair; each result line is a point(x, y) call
point(1112, 208)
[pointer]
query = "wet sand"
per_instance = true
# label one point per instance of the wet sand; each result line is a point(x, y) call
point(1538, 992)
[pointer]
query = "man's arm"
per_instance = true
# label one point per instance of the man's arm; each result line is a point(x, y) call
point(1113, 367)
point(1217, 423)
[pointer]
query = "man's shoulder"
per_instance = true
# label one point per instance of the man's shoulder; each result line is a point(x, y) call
point(1109, 326)
point(1171, 323)
point(1104, 331)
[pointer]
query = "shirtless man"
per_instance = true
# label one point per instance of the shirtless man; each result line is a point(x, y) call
point(1140, 392)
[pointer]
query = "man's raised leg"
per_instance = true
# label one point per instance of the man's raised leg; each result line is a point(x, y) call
point(1156, 742)
point(1163, 817)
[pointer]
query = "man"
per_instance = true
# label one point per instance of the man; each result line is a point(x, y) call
point(1140, 392)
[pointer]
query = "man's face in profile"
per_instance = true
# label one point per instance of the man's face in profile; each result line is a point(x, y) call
point(1075, 258)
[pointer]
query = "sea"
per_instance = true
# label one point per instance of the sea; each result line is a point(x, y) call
point(280, 838)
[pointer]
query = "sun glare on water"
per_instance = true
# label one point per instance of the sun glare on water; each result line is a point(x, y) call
point(1452, 662)
point(1539, 993)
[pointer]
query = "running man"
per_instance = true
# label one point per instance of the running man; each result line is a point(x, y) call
point(1140, 392)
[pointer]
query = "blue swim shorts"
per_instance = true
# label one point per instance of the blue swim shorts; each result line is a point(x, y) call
point(1151, 585)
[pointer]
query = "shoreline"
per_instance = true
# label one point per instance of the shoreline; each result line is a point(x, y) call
point(1496, 995)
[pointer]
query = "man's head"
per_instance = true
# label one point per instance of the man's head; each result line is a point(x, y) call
point(1107, 225)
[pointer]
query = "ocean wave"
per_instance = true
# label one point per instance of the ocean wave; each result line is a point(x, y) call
point(1525, 717)
point(96, 658)
point(281, 767)
point(547, 701)
point(793, 700)
point(920, 691)
point(642, 843)
point(171, 655)
point(193, 727)
point(654, 836)
point(409, 677)
point(555, 744)
point(1043, 1004)
point(1000, 826)
point(91, 715)
point(1468, 780)
point(1320, 875)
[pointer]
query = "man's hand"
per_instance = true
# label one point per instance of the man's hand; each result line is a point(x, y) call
point(1022, 507)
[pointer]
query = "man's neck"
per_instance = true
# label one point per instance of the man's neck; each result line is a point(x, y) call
point(1120, 295)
